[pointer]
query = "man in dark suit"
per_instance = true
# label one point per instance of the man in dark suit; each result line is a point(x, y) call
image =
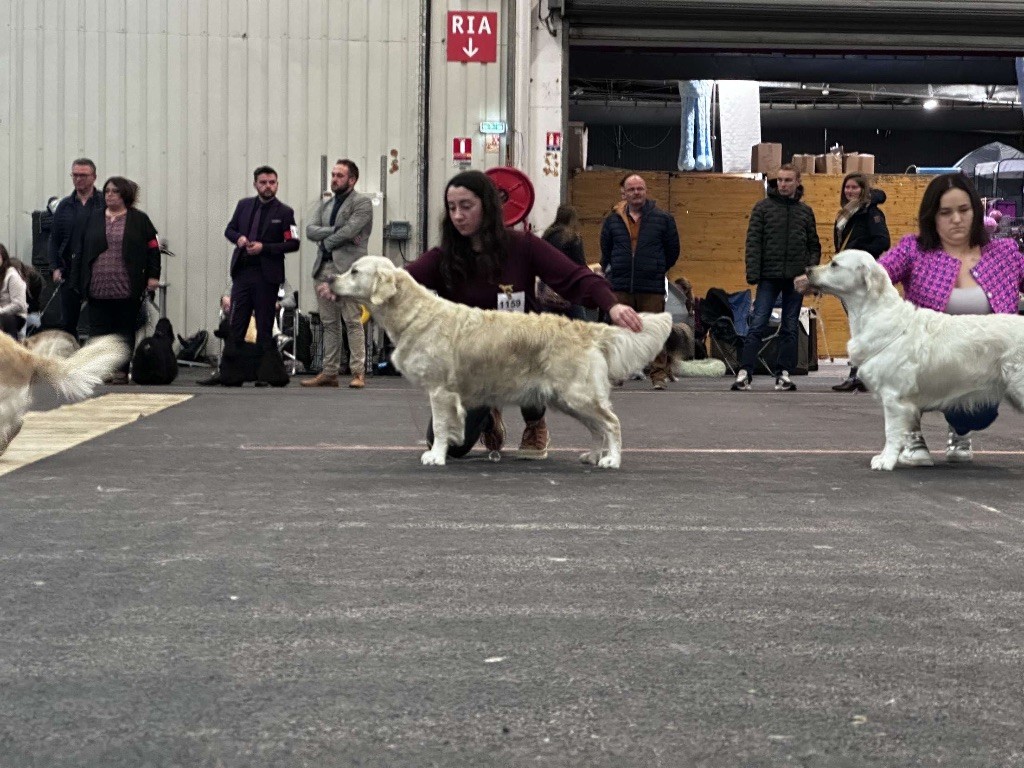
point(263, 230)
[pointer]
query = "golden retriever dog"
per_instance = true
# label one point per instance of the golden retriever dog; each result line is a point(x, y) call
point(468, 357)
point(73, 377)
point(915, 359)
point(52, 343)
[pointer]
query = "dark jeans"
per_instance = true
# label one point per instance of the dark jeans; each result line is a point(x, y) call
point(768, 291)
point(70, 308)
point(11, 325)
point(118, 316)
point(478, 420)
point(963, 421)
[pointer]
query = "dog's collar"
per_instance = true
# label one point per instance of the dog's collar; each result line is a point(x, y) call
point(884, 347)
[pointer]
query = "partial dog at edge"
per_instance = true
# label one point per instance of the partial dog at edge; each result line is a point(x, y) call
point(73, 378)
point(917, 359)
point(468, 357)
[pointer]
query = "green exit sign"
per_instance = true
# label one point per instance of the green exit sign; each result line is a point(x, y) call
point(493, 126)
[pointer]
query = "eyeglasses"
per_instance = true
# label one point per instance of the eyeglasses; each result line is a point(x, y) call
point(82, 175)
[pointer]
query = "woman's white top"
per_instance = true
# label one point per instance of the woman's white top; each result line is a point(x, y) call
point(13, 294)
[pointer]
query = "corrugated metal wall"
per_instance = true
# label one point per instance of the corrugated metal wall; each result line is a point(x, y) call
point(188, 96)
point(463, 95)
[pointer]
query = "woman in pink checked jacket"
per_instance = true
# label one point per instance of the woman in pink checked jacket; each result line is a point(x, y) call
point(952, 266)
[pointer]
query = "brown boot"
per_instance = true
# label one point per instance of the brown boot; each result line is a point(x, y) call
point(358, 381)
point(494, 437)
point(322, 380)
point(534, 444)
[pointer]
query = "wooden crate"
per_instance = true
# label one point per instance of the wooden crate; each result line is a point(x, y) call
point(712, 212)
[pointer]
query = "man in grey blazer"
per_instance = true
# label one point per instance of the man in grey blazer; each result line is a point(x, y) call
point(340, 225)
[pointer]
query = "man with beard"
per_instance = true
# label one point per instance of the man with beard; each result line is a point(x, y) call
point(341, 226)
point(262, 230)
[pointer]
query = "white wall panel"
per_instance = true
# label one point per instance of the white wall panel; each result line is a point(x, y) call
point(186, 97)
point(461, 96)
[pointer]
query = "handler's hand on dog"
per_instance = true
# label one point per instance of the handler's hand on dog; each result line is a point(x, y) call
point(626, 317)
point(323, 290)
point(802, 285)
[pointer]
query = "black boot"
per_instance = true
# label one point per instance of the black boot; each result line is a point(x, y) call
point(851, 384)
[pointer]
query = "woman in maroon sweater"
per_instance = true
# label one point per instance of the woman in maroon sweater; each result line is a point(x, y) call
point(482, 264)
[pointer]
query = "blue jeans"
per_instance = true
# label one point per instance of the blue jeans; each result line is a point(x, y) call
point(962, 421)
point(768, 291)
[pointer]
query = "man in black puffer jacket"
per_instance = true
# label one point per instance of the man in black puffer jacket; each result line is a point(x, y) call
point(782, 241)
point(639, 245)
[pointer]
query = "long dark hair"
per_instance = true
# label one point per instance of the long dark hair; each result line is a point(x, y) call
point(566, 226)
point(459, 262)
point(928, 234)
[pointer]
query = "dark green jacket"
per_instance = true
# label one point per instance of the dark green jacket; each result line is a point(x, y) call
point(782, 238)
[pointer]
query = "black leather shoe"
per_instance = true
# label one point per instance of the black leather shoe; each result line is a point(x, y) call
point(212, 381)
point(852, 384)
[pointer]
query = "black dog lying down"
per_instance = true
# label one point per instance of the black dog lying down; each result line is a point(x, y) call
point(154, 361)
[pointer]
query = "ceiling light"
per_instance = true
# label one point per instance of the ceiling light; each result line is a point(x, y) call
point(824, 90)
point(931, 104)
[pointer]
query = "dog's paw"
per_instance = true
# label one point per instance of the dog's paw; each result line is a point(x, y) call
point(590, 457)
point(609, 462)
point(431, 459)
point(884, 462)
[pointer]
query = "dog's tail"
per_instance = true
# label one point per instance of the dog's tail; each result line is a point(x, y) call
point(627, 351)
point(75, 377)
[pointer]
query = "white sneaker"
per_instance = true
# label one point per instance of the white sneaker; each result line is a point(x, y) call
point(743, 381)
point(958, 448)
point(915, 452)
point(783, 383)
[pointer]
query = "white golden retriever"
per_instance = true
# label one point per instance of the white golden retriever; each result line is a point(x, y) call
point(916, 359)
point(73, 377)
point(467, 357)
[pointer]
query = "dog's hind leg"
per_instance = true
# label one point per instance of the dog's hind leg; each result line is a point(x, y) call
point(449, 419)
point(1015, 387)
point(604, 427)
point(901, 418)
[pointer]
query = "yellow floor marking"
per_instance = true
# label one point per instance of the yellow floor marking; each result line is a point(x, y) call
point(49, 432)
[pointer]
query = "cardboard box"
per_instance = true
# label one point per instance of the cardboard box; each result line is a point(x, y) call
point(804, 163)
point(857, 163)
point(830, 163)
point(766, 158)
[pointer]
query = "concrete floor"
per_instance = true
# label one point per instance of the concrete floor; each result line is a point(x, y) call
point(263, 577)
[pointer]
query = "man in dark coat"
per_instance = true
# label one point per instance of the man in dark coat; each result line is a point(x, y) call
point(639, 245)
point(782, 241)
point(66, 237)
point(262, 230)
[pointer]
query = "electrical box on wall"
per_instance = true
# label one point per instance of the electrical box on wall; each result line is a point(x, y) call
point(397, 231)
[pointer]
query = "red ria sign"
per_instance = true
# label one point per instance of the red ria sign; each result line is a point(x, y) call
point(473, 36)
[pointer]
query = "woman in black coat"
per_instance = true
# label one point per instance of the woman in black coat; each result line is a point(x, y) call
point(860, 225)
point(120, 263)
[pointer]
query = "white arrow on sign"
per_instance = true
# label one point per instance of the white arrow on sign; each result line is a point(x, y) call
point(472, 50)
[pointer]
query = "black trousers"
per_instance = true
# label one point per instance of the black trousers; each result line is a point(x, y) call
point(70, 308)
point(251, 293)
point(118, 316)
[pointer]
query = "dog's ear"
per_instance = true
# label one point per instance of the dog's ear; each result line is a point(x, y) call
point(875, 279)
point(384, 287)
